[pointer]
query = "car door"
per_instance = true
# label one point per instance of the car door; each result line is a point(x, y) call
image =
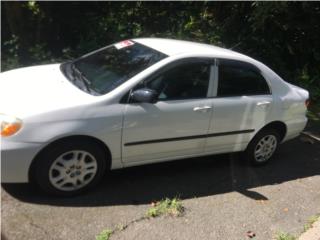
point(241, 106)
point(176, 125)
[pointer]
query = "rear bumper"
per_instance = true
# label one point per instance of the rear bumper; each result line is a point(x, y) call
point(16, 158)
point(294, 128)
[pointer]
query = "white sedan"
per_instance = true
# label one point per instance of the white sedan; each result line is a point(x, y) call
point(136, 102)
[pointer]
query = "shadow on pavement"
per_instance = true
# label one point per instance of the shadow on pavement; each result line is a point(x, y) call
point(188, 178)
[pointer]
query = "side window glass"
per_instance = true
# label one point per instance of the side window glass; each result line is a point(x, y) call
point(240, 79)
point(185, 81)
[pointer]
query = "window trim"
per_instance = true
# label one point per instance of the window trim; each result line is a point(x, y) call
point(255, 68)
point(210, 61)
point(215, 79)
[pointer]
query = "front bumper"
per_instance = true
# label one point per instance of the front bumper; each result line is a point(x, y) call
point(16, 158)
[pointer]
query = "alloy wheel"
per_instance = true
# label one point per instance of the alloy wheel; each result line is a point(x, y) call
point(73, 170)
point(265, 148)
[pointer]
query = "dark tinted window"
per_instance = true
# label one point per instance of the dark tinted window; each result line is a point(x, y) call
point(185, 81)
point(108, 68)
point(240, 79)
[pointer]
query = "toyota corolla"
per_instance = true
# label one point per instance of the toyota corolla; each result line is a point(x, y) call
point(137, 102)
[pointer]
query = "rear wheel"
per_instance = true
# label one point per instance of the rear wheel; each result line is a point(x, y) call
point(262, 147)
point(69, 168)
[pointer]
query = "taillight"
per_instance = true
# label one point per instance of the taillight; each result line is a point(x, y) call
point(307, 102)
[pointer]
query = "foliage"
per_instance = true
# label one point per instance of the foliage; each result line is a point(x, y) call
point(310, 82)
point(283, 35)
point(172, 207)
point(306, 227)
point(285, 236)
point(311, 221)
point(12, 46)
point(104, 235)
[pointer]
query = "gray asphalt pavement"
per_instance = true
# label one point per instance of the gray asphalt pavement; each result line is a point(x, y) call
point(223, 198)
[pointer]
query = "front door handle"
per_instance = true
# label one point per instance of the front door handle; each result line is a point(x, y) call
point(201, 109)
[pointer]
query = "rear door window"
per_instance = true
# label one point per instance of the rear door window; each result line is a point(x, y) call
point(238, 78)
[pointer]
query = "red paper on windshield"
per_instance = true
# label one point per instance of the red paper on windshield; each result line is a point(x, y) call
point(125, 43)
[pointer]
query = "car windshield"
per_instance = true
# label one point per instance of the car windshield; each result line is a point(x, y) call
point(102, 71)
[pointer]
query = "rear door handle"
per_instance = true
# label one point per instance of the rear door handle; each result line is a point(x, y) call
point(263, 103)
point(201, 109)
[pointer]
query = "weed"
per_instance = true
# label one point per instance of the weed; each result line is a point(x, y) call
point(167, 206)
point(285, 236)
point(311, 221)
point(121, 227)
point(172, 207)
point(104, 235)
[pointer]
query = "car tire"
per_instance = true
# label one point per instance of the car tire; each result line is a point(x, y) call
point(69, 168)
point(262, 147)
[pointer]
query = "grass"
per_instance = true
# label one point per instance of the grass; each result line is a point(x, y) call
point(285, 236)
point(104, 235)
point(310, 222)
point(307, 226)
point(172, 207)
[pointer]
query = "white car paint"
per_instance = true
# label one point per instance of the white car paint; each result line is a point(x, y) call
point(42, 88)
point(52, 108)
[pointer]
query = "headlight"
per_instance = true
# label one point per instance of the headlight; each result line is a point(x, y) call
point(9, 125)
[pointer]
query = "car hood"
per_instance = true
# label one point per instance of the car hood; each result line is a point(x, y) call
point(35, 90)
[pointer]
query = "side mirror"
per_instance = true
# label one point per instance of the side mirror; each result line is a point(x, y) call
point(144, 95)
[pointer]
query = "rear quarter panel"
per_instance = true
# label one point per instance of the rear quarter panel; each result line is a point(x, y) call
point(290, 107)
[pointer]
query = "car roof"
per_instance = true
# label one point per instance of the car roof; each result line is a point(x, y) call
point(173, 47)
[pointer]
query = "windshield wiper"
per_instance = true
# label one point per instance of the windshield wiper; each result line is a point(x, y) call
point(80, 75)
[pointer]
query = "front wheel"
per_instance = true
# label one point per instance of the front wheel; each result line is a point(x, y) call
point(262, 147)
point(69, 168)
